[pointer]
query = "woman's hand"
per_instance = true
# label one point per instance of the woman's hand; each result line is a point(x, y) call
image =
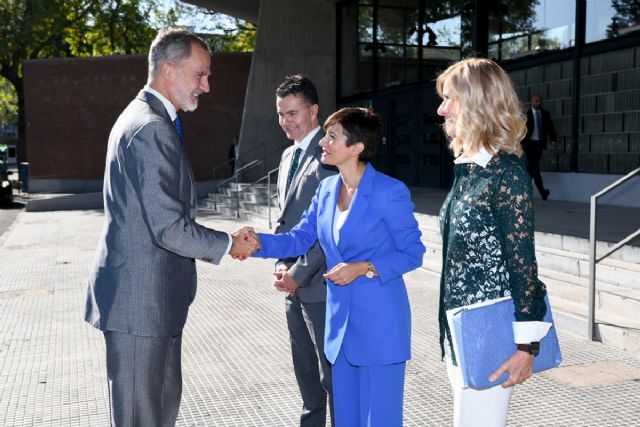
point(519, 367)
point(346, 272)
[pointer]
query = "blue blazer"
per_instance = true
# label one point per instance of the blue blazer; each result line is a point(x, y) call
point(369, 319)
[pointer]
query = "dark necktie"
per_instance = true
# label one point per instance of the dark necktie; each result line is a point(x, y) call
point(178, 124)
point(294, 166)
point(538, 125)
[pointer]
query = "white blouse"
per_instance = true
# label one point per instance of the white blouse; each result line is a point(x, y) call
point(339, 217)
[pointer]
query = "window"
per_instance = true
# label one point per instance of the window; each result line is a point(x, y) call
point(386, 43)
point(610, 19)
point(524, 28)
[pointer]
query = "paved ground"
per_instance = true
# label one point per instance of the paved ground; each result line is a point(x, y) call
point(237, 368)
point(8, 214)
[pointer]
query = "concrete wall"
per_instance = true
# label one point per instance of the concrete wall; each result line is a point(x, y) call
point(579, 187)
point(293, 37)
point(610, 112)
point(554, 83)
point(72, 103)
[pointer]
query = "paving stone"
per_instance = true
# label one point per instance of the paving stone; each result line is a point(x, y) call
point(236, 359)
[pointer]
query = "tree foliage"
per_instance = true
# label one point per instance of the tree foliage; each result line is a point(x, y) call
point(31, 29)
point(8, 103)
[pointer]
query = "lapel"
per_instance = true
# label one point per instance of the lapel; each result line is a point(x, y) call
point(158, 107)
point(306, 158)
point(359, 205)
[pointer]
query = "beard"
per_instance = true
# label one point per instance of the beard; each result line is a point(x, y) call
point(188, 104)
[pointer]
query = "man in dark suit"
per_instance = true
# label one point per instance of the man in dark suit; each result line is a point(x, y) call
point(298, 177)
point(539, 130)
point(144, 277)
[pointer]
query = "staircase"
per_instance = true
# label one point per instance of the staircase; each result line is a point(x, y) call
point(563, 265)
point(252, 200)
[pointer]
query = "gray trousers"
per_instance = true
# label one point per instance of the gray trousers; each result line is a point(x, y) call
point(313, 372)
point(145, 379)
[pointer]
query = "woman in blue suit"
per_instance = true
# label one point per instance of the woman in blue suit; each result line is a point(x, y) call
point(364, 222)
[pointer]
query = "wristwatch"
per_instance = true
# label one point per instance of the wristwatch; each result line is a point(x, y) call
point(531, 348)
point(370, 272)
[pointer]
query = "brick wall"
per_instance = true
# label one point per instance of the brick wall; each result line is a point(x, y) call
point(72, 103)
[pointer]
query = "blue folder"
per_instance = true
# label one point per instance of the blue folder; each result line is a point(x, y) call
point(483, 335)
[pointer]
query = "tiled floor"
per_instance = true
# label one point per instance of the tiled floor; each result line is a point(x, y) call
point(236, 360)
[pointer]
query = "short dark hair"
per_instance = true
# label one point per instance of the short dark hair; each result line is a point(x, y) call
point(359, 125)
point(171, 45)
point(298, 84)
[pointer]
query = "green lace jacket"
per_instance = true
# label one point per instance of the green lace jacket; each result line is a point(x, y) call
point(488, 240)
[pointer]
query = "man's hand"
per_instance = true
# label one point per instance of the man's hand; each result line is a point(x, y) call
point(283, 280)
point(345, 273)
point(519, 368)
point(245, 243)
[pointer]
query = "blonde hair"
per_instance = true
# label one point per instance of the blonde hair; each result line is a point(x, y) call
point(489, 112)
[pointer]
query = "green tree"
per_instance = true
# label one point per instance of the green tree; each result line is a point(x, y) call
point(31, 29)
point(8, 103)
point(222, 32)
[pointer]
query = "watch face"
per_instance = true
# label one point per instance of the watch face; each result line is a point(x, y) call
point(534, 348)
point(369, 275)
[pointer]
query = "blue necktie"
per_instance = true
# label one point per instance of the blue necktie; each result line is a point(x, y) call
point(294, 167)
point(178, 124)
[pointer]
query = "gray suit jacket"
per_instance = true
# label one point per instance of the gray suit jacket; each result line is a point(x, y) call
point(306, 270)
point(144, 274)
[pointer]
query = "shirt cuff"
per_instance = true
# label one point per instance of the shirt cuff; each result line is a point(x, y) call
point(229, 245)
point(528, 332)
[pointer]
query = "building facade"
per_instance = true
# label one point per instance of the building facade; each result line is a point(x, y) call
point(582, 57)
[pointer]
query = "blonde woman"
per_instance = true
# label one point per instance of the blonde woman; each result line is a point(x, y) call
point(487, 227)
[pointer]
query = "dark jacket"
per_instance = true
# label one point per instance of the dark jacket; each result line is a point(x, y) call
point(548, 131)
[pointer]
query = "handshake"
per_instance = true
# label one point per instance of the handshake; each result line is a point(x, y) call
point(245, 242)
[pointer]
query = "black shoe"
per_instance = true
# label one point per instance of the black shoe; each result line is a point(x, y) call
point(545, 194)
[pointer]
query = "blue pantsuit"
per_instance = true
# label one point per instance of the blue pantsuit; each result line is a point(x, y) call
point(368, 322)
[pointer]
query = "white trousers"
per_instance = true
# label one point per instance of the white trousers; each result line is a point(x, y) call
point(476, 408)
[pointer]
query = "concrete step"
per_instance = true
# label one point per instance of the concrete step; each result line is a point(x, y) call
point(612, 271)
point(610, 329)
point(564, 254)
point(614, 300)
point(431, 233)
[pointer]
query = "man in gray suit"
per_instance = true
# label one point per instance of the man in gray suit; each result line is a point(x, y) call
point(144, 275)
point(298, 177)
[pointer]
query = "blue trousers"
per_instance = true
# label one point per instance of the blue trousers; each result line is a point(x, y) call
point(367, 396)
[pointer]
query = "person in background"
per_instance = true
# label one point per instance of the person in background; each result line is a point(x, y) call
point(364, 222)
point(539, 130)
point(487, 231)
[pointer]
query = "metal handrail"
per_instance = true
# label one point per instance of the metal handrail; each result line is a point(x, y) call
point(593, 260)
point(251, 185)
point(269, 196)
point(236, 159)
point(233, 178)
point(252, 164)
